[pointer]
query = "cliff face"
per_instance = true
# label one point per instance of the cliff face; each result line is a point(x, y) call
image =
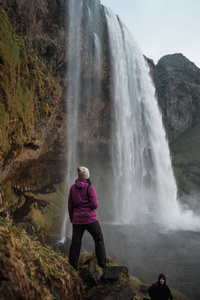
point(32, 119)
point(42, 25)
point(177, 83)
point(42, 142)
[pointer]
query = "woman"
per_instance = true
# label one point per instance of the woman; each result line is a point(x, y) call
point(82, 204)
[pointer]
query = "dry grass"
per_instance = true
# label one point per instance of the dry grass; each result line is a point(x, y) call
point(30, 270)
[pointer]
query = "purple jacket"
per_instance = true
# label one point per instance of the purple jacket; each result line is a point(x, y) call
point(81, 209)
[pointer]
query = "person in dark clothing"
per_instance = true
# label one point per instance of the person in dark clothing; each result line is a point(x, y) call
point(159, 290)
point(82, 204)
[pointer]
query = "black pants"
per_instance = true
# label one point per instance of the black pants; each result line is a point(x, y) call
point(95, 230)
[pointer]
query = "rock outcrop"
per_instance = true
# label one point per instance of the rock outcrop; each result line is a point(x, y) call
point(42, 25)
point(177, 82)
point(111, 283)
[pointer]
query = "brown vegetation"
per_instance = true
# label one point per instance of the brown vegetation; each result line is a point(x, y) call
point(29, 270)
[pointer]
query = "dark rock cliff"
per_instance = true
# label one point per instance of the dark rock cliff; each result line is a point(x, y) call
point(177, 83)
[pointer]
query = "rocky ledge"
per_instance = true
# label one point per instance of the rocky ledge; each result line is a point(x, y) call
point(111, 283)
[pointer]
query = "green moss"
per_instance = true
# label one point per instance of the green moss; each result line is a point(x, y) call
point(46, 109)
point(186, 160)
point(27, 93)
point(178, 295)
point(4, 123)
point(122, 280)
point(47, 222)
point(9, 198)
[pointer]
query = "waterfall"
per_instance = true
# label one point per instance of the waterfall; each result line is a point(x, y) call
point(73, 96)
point(133, 177)
point(81, 33)
point(144, 183)
point(140, 187)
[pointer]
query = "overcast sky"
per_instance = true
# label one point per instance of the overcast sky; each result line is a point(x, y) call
point(162, 27)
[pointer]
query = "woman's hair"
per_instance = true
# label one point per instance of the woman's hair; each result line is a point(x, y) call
point(88, 180)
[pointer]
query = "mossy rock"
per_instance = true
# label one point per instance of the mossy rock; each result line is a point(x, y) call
point(27, 92)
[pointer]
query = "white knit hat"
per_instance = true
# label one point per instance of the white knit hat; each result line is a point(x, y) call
point(83, 172)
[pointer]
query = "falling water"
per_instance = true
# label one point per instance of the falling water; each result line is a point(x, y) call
point(145, 187)
point(82, 19)
point(73, 95)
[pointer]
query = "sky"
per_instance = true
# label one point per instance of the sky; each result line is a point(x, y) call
point(162, 27)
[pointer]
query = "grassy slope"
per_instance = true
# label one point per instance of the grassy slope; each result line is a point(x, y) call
point(45, 221)
point(29, 270)
point(186, 160)
point(49, 220)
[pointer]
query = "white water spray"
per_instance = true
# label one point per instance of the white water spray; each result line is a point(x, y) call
point(145, 188)
point(73, 96)
point(78, 9)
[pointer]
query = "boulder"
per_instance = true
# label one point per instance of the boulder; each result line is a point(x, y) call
point(113, 274)
point(109, 283)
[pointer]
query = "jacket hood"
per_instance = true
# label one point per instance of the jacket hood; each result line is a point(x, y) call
point(80, 183)
point(162, 276)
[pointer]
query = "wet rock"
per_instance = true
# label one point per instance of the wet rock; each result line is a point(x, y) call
point(5, 213)
point(20, 213)
point(110, 292)
point(90, 276)
point(61, 246)
point(113, 274)
point(110, 283)
point(125, 293)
